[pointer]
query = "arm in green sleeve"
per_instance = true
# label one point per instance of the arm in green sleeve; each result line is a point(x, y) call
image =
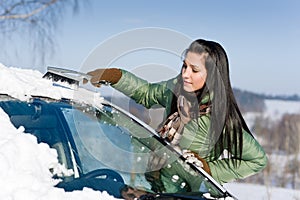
point(253, 160)
point(143, 92)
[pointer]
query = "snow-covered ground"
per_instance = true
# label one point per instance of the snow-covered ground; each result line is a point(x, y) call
point(275, 109)
point(24, 168)
point(261, 192)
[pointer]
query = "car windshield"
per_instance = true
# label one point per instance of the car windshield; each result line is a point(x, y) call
point(108, 137)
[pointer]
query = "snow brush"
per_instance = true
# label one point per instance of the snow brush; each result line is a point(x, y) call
point(62, 75)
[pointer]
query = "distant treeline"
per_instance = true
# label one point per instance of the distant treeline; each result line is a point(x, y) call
point(294, 97)
point(250, 101)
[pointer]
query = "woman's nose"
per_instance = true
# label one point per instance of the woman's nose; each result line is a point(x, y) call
point(186, 72)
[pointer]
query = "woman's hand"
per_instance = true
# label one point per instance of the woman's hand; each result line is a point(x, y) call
point(194, 158)
point(104, 76)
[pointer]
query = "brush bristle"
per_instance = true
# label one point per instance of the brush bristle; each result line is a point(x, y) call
point(59, 78)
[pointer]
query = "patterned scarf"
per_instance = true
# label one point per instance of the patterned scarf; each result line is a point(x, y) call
point(172, 131)
point(172, 128)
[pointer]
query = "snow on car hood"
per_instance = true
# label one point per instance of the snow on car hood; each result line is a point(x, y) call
point(24, 83)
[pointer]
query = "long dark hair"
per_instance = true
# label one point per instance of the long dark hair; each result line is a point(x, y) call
point(227, 123)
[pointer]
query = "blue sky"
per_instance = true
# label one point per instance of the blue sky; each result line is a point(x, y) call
point(261, 38)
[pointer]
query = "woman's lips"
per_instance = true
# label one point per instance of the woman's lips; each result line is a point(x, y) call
point(187, 82)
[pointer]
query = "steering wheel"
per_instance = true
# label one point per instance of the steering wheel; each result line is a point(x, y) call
point(107, 173)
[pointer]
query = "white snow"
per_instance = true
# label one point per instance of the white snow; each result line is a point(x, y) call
point(260, 192)
point(24, 83)
point(24, 168)
point(276, 108)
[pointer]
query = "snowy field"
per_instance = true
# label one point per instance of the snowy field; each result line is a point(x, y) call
point(260, 192)
point(277, 108)
point(24, 169)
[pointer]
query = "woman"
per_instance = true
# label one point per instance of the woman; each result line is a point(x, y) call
point(203, 119)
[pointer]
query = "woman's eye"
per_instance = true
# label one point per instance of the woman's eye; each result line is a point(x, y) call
point(195, 70)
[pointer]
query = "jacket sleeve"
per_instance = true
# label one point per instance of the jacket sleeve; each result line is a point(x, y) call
point(143, 92)
point(253, 160)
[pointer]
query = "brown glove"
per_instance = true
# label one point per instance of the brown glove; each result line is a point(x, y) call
point(110, 75)
point(194, 158)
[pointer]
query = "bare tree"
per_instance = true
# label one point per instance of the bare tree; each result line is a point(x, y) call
point(290, 124)
point(35, 22)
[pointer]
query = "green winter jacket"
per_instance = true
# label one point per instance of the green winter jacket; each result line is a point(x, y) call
point(196, 131)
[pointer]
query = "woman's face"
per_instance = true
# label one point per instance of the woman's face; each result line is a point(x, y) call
point(194, 72)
